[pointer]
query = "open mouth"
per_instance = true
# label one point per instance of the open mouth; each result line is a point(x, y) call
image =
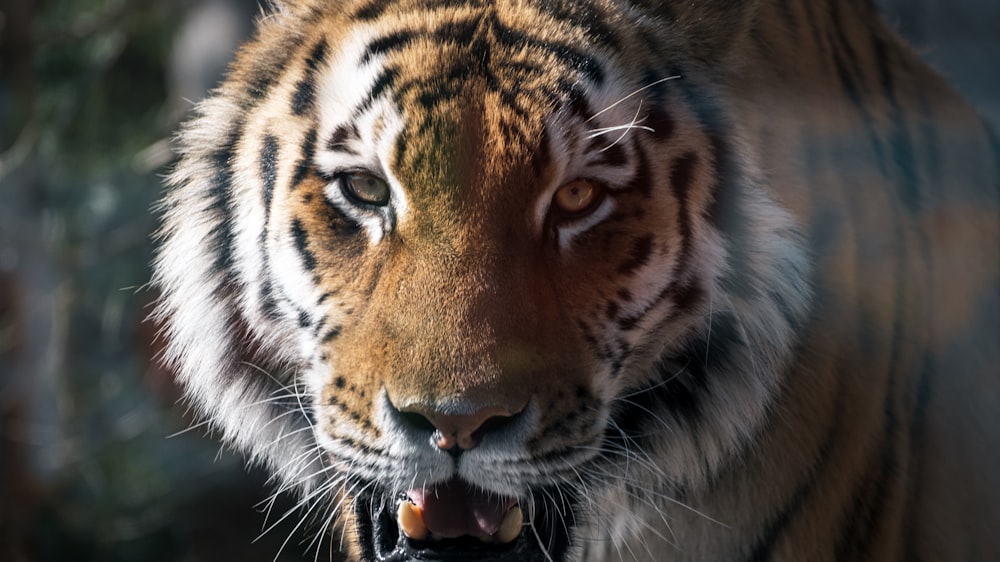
point(455, 521)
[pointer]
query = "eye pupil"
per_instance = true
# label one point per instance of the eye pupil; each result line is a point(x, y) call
point(366, 189)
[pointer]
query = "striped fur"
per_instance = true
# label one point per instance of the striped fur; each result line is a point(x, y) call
point(774, 336)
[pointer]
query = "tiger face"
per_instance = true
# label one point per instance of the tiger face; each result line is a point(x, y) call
point(485, 280)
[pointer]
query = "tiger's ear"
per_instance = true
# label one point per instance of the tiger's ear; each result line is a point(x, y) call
point(709, 28)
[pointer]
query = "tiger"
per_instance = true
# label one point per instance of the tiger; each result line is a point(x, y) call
point(595, 280)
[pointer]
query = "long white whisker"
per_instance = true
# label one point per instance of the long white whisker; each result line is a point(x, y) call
point(634, 93)
point(623, 128)
point(189, 428)
point(305, 500)
point(664, 382)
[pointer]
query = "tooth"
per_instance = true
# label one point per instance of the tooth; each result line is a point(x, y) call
point(411, 521)
point(511, 526)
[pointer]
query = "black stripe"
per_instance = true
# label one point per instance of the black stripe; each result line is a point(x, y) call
point(342, 137)
point(456, 32)
point(454, 83)
point(304, 320)
point(430, 94)
point(385, 80)
point(642, 249)
point(684, 296)
point(778, 525)
point(542, 157)
point(575, 58)
point(814, 32)
point(611, 309)
point(726, 210)
point(258, 87)
point(578, 104)
point(223, 203)
point(266, 68)
point(269, 175)
point(994, 143)
point(681, 386)
point(788, 18)
point(331, 334)
point(900, 143)
point(269, 304)
point(506, 36)
point(375, 9)
point(640, 413)
point(682, 175)
point(616, 355)
point(585, 17)
point(847, 65)
point(372, 10)
point(269, 170)
point(340, 225)
point(394, 41)
point(305, 91)
point(930, 157)
point(661, 122)
point(862, 525)
point(301, 238)
point(715, 353)
point(513, 129)
point(511, 97)
point(305, 164)
point(642, 180)
point(399, 150)
point(870, 499)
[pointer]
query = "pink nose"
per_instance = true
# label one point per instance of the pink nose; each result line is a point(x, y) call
point(462, 430)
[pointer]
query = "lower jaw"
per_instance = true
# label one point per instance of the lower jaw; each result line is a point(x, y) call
point(544, 538)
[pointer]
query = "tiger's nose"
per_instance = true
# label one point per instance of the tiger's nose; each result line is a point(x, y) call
point(458, 432)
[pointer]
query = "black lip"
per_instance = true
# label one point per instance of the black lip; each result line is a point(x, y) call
point(381, 540)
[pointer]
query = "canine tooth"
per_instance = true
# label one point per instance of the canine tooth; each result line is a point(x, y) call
point(511, 526)
point(411, 521)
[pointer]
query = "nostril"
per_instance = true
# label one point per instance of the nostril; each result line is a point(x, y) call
point(454, 432)
point(417, 421)
point(495, 424)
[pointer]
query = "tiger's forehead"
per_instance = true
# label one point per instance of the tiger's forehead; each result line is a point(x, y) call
point(478, 83)
point(442, 69)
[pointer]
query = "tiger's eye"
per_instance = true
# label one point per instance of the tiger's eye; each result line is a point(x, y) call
point(366, 189)
point(577, 197)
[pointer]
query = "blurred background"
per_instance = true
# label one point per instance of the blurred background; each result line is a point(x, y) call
point(95, 462)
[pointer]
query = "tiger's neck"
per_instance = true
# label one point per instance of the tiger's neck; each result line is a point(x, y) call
point(862, 143)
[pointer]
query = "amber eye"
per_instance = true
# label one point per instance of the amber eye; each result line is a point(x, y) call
point(577, 197)
point(365, 189)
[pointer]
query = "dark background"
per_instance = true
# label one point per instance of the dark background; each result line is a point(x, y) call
point(90, 92)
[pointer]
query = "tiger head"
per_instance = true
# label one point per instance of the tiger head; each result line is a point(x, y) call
point(446, 270)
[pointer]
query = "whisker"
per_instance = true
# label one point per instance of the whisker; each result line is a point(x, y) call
point(634, 93)
point(624, 128)
point(189, 428)
point(657, 385)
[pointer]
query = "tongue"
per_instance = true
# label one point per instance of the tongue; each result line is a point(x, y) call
point(455, 509)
